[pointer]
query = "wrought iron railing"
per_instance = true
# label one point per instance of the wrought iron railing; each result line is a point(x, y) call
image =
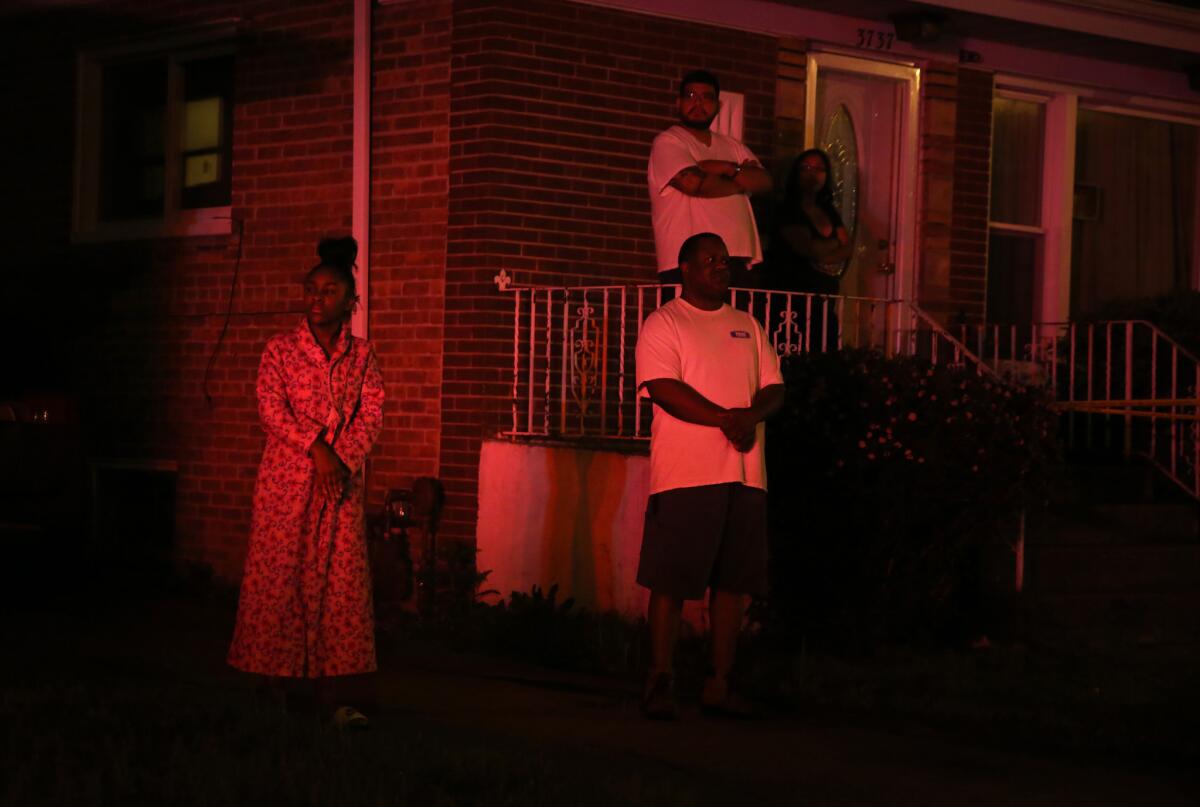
point(573, 348)
point(1124, 384)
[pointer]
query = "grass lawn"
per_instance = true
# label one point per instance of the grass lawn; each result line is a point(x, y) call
point(125, 741)
point(130, 703)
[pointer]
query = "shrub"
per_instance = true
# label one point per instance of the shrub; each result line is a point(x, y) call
point(1177, 315)
point(887, 476)
point(538, 627)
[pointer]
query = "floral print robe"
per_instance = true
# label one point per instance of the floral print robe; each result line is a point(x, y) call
point(305, 608)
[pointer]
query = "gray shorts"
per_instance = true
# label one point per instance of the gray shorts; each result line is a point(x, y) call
point(708, 536)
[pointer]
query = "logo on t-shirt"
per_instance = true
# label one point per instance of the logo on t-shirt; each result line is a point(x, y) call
point(740, 334)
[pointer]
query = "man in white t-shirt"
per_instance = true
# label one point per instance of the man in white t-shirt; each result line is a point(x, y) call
point(713, 377)
point(701, 181)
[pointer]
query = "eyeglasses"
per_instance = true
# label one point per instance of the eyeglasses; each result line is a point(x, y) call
point(697, 95)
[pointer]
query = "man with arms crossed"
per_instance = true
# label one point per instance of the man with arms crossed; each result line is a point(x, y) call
point(701, 181)
point(713, 378)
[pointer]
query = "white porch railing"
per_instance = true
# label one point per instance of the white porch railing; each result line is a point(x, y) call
point(1119, 381)
point(573, 348)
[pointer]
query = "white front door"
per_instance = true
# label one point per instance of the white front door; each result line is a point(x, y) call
point(863, 115)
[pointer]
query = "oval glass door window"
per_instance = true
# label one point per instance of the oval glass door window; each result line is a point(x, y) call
point(841, 144)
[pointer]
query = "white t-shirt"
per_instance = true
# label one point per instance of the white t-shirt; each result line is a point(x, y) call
point(723, 355)
point(677, 216)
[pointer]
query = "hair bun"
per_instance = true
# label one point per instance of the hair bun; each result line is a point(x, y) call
point(340, 252)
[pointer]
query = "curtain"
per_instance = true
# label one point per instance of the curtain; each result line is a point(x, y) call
point(1141, 242)
point(1017, 134)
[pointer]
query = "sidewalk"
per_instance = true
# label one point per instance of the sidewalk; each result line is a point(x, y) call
point(439, 694)
point(818, 760)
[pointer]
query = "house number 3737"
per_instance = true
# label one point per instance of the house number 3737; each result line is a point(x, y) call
point(871, 39)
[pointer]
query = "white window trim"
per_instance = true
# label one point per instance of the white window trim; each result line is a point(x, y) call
point(1039, 228)
point(1057, 197)
point(86, 227)
point(731, 115)
point(1058, 166)
point(1016, 229)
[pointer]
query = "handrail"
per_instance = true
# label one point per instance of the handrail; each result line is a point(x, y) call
point(572, 370)
point(961, 350)
point(1159, 332)
point(572, 362)
point(1116, 381)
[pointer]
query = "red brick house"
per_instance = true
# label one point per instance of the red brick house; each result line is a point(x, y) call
point(173, 165)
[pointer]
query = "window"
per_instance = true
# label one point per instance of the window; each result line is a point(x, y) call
point(207, 133)
point(1133, 229)
point(1015, 232)
point(1115, 212)
point(155, 143)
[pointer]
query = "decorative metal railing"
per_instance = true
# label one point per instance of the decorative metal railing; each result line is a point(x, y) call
point(573, 348)
point(1121, 384)
point(1124, 384)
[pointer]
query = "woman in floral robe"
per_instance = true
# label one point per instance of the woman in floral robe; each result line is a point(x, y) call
point(305, 609)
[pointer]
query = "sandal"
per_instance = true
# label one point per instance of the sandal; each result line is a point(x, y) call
point(347, 717)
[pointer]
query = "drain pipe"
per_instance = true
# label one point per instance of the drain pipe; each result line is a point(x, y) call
point(360, 226)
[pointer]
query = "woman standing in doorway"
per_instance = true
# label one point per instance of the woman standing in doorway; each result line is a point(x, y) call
point(810, 245)
point(305, 610)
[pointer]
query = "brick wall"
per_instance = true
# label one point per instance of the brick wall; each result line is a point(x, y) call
point(934, 219)
point(972, 171)
point(409, 206)
point(291, 185)
point(139, 321)
point(503, 137)
point(554, 106)
point(955, 170)
point(791, 93)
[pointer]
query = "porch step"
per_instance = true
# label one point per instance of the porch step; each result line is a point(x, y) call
point(1119, 569)
point(1115, 619)
point(1107, 480)
point(1139, 524)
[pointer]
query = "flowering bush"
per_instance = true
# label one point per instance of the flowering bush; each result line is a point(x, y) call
point(1177, 314)
point(886, 476)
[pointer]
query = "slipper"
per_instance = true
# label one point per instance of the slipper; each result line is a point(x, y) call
point(347, 717)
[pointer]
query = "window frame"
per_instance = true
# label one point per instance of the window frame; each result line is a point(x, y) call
point(1033, 232)
point(1167, 114)
point(1010, 227)
point(86, 224)
point(1058, 173)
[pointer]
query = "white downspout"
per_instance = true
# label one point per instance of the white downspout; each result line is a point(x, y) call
point(360, 226)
